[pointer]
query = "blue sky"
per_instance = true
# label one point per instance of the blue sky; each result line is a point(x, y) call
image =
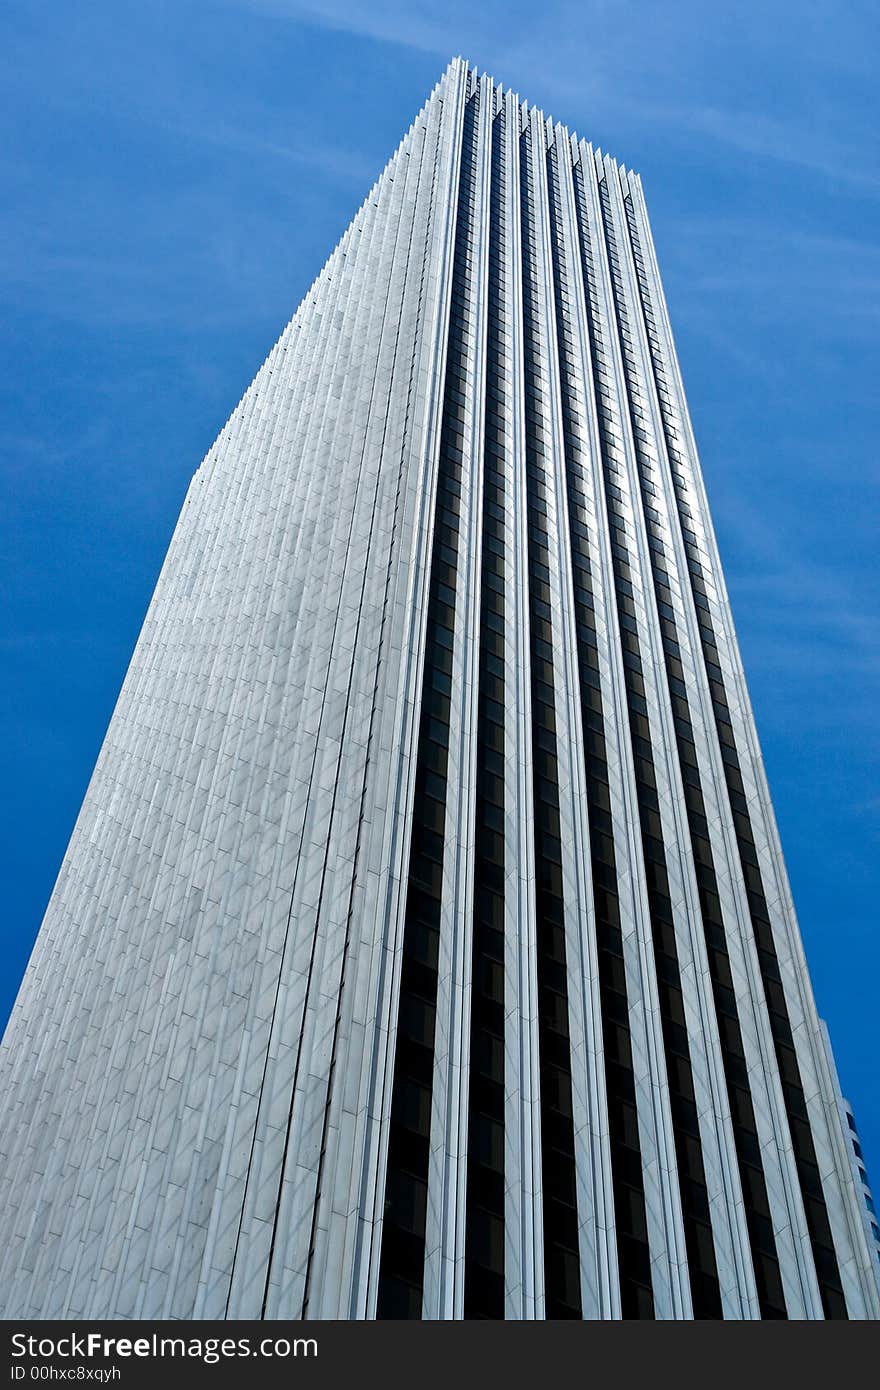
point(175, 175)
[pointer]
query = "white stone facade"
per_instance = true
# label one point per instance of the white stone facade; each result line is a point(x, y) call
point(197, 1081)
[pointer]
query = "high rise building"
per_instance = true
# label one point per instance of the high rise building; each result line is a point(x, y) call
point(424, 946)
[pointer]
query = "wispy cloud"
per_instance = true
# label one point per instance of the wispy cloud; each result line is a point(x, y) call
point(614, 59)
point(769, 139)
point(428, 28)
point(811, 618)
point(784, 309)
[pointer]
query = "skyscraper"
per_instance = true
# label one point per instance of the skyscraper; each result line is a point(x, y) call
point(424, 946)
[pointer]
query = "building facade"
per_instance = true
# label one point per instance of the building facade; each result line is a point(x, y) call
point(424, 946)
point(870, 1216)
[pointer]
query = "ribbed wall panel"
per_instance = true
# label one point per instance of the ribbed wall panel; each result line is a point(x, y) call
point(255, 1068)
point(524, 1244)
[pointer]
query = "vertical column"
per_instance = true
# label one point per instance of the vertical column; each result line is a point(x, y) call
point(484, 1200)
point(381, 894)
point(524, 1243)
point(556, 875)
point(445, 1226)
point(410, 1238)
